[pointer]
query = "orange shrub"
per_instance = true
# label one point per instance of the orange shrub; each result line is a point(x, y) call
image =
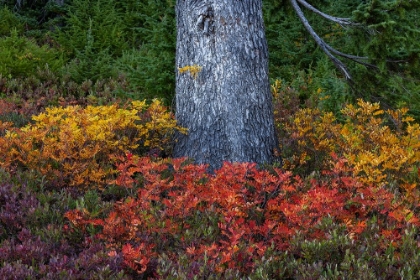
point(78, 146)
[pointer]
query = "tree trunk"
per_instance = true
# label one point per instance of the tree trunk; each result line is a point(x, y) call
point(222, 89)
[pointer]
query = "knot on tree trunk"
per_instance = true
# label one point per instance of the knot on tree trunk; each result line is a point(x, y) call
point(205, 21)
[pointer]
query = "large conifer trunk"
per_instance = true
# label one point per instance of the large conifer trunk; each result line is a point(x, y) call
point(227, 105)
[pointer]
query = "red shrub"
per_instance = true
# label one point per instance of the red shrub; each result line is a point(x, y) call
point(232, 217)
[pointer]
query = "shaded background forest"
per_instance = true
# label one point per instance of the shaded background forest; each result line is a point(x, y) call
point(127, 49)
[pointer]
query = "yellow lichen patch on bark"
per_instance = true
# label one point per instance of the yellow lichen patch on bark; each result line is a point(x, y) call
point(193, 69)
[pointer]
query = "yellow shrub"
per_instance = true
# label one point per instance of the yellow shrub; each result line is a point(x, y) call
point(78, 146)
point(379, 154)
point(312, 139)
point(383, 148)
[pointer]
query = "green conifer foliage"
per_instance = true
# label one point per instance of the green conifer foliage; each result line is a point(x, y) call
point(290, 47)
point(297, 61)
point(387, 32)
point(8, 22)
point(97, 19)
point(90, 63)
point(105, 38)
point(21, 57)
point(391, 40)
point(92, 38)
point(150, 64)
point(36, 17)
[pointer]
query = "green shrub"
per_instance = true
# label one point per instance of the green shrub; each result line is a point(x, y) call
point(8, 22)
point(150, 67)
point(150, 73)
point(94, 23)
point(91, 64)
point(20, 57)
point(93, 37)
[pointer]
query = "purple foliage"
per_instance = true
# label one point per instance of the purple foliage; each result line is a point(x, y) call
point(29, 256)
point(48, 255)
point(16, 271)
point(17, 204)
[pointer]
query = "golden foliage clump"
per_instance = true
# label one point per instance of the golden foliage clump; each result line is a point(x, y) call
point(382, 147)
point(79, 146)
point(193, 69)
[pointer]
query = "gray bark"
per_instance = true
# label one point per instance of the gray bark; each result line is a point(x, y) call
point(227, 106)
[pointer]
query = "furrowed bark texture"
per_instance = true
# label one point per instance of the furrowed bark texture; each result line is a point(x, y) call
point(227, 106)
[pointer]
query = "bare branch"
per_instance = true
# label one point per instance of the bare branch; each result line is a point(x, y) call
point(340, 21)
point(326, 48)
point(321, 43)
point(355, 58)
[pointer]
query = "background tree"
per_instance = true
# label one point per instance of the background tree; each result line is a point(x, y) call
point(222, 87)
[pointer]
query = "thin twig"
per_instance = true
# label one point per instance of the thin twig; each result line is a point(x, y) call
point(341, 21)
